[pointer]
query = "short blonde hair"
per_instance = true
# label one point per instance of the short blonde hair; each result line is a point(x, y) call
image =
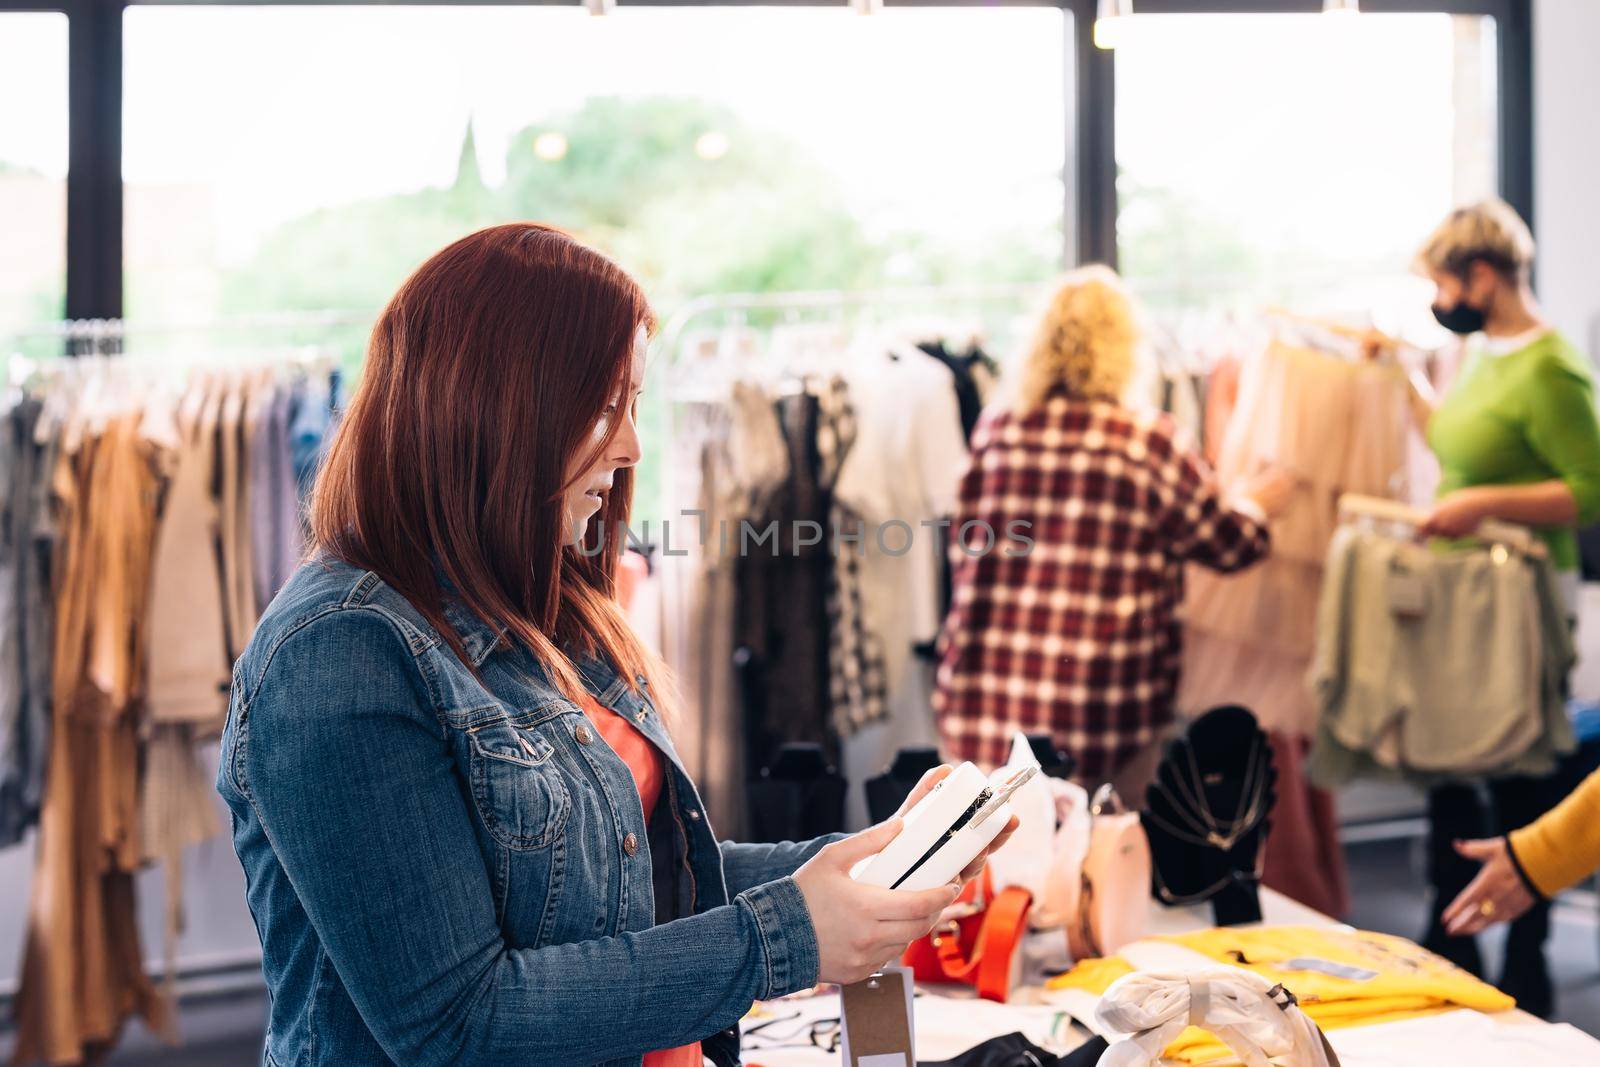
point(1490, 230)
point(1084, 343)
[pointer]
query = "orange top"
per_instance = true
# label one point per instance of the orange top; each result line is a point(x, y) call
point(649, 769)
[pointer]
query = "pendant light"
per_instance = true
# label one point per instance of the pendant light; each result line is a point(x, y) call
point(1109, 18)
point(1341, 7)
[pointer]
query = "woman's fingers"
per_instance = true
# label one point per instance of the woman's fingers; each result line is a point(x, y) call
point(910, 905)
point(1496, 895)
point(897, 935)
point(1482, 851)
point(1465, 915)
point(925, 786)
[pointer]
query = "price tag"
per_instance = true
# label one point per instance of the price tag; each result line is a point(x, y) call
point(876, 1028)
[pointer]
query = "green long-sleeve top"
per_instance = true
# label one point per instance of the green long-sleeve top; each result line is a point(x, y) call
point(1523, 417)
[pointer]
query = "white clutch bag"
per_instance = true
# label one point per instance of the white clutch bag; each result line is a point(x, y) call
point(946, 830)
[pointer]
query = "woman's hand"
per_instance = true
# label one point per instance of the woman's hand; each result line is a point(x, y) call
point(861, 927)
point(1455, 514)
point(1270, 489)
point(924, 787)
point(1376, 345)
point(1496, 895)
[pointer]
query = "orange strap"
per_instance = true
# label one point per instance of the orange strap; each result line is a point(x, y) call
point(1004, 923)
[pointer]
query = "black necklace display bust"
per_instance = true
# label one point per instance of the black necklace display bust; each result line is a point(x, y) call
point(1207, 815)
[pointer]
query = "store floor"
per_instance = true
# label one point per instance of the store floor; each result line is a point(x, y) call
point(224, 1032)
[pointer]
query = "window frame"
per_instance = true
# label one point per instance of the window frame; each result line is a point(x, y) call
point(94, 173)
point(1097, 170)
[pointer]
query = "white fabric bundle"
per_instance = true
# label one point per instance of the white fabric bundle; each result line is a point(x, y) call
point(1256, 1019)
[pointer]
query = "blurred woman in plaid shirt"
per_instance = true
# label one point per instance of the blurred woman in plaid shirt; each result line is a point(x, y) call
point(1076, 633)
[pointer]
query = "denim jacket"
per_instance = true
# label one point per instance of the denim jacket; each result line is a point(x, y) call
point(448, 870)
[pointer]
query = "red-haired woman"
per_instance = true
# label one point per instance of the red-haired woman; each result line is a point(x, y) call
point(466, 836)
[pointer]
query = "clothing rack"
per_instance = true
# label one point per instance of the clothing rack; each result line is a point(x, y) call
point(836, 301)
point(783, 344)
point(88, 337)
point(221, 955)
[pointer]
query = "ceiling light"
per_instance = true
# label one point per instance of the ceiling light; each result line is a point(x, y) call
point(550, 147)
point(1341, 7)
point(866, 7)
point(713, 144)
point(600, 7)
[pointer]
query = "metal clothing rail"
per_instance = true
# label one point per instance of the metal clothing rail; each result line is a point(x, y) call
point(100, 335)
point(835, 300)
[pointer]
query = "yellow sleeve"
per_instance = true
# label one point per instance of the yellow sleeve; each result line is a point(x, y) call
point(1563, 847)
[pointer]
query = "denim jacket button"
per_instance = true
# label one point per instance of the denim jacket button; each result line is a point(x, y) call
point(630, 844)
point(694, 816)
point(582, 735)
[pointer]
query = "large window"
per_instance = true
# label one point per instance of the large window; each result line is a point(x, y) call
point(715, 149)
point(33, 170)
point(1298, 158)
point(709, 149)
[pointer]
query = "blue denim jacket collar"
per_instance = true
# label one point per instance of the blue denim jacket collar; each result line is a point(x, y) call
point(478, 636)
point(482, 638)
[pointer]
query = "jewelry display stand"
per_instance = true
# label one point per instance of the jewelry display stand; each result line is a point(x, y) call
point(1207, 815)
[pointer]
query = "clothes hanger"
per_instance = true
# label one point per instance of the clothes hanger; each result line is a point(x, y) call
point(1357, 507)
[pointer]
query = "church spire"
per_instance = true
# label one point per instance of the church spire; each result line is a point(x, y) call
point(467, 175)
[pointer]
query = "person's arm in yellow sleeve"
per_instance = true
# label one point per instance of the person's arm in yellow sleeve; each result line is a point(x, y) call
point(1537, 861)
point(1563, 847)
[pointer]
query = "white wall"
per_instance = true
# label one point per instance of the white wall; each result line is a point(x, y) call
point(1566, 148)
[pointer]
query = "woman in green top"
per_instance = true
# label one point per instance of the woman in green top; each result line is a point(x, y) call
point(1517, 439)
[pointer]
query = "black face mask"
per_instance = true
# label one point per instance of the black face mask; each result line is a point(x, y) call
point(1463, 318)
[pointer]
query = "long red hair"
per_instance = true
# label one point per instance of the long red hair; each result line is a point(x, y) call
point(485, 375)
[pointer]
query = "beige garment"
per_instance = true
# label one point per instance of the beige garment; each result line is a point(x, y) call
point(1272, 684)
point(178, 808)
point(728, 456)
point(210, 419)
point(238, 585)
point(1457, 682)
point(189, 661)
point(1338, 427)
point(189, 672)
point(697, 617)
point(83, 969)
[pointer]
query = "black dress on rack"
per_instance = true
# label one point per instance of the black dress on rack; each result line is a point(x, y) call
point(781, 645)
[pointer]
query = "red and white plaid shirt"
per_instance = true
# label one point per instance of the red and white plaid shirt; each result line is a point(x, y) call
point(1077, 637)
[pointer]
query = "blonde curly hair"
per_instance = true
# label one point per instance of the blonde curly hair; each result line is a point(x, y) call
point(1085, 342)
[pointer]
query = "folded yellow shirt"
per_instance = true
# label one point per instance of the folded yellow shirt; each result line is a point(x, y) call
point(1340, 977)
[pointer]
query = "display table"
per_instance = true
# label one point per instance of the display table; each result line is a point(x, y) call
point(950, 1020)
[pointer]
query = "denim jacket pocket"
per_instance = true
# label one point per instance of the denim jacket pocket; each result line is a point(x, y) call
point(518, 791)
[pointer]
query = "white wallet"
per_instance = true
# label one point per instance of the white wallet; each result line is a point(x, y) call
point(946, 830)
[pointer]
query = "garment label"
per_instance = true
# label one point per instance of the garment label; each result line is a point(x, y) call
point(1408, 596)
point(876, 1021)
point(1329, 968)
